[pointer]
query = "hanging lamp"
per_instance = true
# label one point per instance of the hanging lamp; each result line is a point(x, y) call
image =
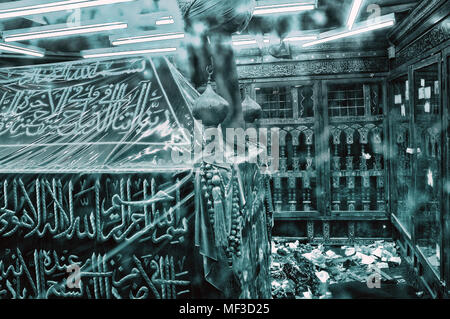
point(210, 108)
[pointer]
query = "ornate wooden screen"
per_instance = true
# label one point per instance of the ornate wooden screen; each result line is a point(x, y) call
point(356, 149)
point(294, 186)
point(332, 154)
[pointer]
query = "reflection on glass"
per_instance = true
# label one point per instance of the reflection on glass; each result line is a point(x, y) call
point(402, 179)
point(427, 172)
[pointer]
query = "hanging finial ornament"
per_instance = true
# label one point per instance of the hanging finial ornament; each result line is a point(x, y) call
point(210, 108)
point(251, 109)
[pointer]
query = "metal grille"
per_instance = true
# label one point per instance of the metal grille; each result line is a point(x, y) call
point(346, 100)
point(276, 102)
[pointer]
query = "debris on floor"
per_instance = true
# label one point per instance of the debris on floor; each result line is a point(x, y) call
point(304, 271)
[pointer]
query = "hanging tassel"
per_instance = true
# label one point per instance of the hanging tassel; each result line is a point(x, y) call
point(220, 228)
point(229, 207)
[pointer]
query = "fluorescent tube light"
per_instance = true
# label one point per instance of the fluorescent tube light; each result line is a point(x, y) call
point(350, 33)
point(65, 31)
point(244, 42)
point(283, 8)
point(354, 13)
point(165, 20)
point(292, 38)
point(21, 50)
point(54, 7)
point(148, 38)
point(300, 38)
point(128, 52)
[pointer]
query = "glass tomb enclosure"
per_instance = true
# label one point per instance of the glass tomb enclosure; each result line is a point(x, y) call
point(418, 167)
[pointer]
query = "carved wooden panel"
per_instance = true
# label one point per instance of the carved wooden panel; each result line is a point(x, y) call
point(296, 181)
point(431, 39)
point(314, 67)
point(357, 168)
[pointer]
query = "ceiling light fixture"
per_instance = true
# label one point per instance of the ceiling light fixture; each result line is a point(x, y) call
point(22, 50)
point(333, 35)
point(300, 38)
point(354, 13)
point(165, 20)
point(244, 42)
point(51, 7)
point(88, 55)
point(59, 32)
point(148, 38)
point(284, 8)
